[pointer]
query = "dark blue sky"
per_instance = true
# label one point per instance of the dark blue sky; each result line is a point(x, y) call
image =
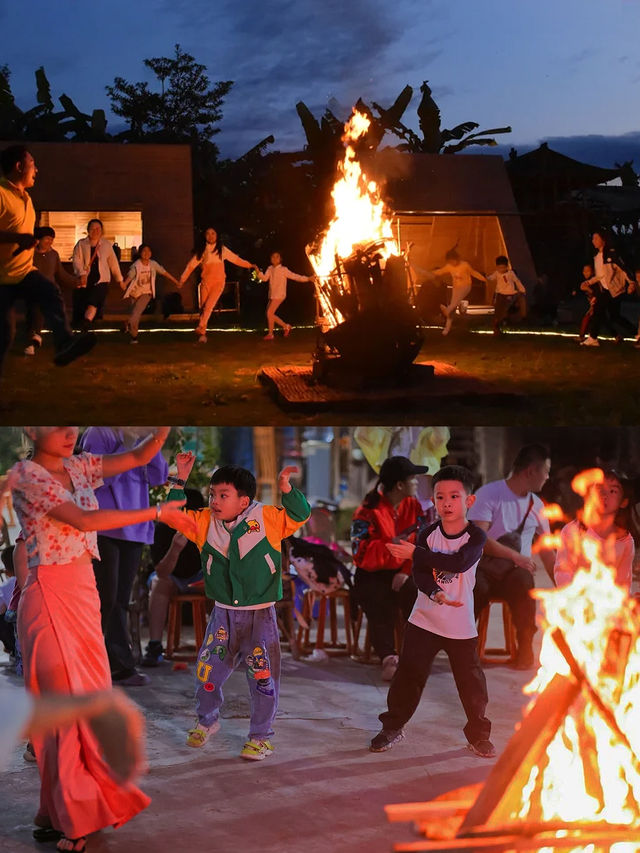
point(566, 71)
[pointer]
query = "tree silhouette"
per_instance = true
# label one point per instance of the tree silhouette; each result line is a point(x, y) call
point(185, 109)
point(42, 122)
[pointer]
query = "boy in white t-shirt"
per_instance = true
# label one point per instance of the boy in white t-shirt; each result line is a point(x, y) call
point(445, 558)
point(509, 294)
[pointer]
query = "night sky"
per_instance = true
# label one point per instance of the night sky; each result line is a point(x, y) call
point(564, 71)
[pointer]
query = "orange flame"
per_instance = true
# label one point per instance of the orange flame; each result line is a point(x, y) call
point(554, 512)
point(359, 219)
point(589, 774)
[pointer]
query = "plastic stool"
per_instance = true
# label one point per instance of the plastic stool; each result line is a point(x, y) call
point(174, 623)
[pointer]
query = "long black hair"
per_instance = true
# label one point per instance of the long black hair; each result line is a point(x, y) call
point(201, 242)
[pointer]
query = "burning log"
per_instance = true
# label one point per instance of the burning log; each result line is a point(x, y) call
point(369, 328)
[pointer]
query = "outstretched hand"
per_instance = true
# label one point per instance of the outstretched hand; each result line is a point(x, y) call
point(171, 514)
point(283, 478)
point(401, 550)
point(184, 463)
point(443, 598)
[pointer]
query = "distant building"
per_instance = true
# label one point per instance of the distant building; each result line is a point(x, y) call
point(142, 193)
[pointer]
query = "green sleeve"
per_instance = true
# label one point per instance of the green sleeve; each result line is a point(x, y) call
point(296, 505)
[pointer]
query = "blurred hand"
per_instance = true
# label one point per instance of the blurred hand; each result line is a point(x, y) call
point(443, 598)
point(399, 580)
point(171, 514)
point(184, 463)
point(283, 478)
point(24, 241)
point(119, 729)
point(401, 550)
point(525, 563)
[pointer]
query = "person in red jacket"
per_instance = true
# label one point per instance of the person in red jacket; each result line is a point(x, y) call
point(389, 512)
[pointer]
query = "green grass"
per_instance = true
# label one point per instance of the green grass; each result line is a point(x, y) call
point(168, 378)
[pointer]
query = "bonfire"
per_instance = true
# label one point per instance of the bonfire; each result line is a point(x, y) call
point(569, 778)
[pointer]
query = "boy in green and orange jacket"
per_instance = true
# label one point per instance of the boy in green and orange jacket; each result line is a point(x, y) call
point(240, 546)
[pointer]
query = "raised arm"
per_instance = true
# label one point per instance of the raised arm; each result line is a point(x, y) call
point(85, 520)
point(117, 463)
point(425, 560)
point(228, 255)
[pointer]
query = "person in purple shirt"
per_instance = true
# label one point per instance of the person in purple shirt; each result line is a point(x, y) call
point(121, 549)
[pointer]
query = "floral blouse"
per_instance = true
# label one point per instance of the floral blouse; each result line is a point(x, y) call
point(51, 542)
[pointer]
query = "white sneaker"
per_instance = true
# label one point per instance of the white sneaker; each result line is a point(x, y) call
point(30, 350)
point(590, 342)
point(389, 667)
point(202, 339)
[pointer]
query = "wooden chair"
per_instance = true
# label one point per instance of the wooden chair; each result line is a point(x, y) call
point(284, 615)
point(326, 602)
point(366, 654)
point(198, 604)
point(505, 654)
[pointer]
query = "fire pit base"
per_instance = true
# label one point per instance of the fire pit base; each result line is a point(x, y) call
point(426, 387)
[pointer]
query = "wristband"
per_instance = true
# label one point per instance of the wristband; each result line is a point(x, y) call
point(158, 511)
point(176, 481)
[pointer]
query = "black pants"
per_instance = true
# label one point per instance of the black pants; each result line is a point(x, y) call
point(115, 572)
point(607, 311)
point(7, 635)
point(514, 588)
point(40, 291)
point(380, 603)
point(418, 651)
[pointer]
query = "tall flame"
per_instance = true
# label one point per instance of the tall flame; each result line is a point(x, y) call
point(359, 218)
point(591, 772)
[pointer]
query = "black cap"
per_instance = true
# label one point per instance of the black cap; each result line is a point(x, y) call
point(397, 468)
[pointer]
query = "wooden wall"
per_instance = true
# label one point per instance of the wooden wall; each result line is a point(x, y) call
point(152, 179)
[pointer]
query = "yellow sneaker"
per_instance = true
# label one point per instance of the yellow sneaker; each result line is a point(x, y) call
point(256, 750)
point(199, 734)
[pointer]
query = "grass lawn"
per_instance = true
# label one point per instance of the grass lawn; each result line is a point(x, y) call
point(168, 378)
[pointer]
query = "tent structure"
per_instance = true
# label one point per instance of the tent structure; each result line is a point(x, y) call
point(464, 201)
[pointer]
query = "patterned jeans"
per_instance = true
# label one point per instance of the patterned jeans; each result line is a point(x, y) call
point(234, 637)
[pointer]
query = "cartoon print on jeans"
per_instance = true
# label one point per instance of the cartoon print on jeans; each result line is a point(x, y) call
point(221, 635)
point(203, 671)
point(205, 655)
point(265, 686)
point(221, 651)
point(210, 639)
point(258, 664)
point(209, 687)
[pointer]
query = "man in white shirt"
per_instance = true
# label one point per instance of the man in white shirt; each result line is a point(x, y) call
point(503, 507)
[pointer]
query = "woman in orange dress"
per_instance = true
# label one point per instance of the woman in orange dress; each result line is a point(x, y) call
point(59, 619)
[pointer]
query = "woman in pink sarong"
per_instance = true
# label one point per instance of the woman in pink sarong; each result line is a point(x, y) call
point(210, 255)
point(59, 619)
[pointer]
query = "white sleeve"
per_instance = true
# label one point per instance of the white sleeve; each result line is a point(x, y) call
point(294, 276)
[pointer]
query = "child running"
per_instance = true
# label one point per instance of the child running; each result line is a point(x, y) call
point(444, 569)
point(210, 254)
point(240, 545)
point(140, 287)
point(602, 525)
point(589, 288)
point(510, 295)
point(277, 276)
point(461, 273)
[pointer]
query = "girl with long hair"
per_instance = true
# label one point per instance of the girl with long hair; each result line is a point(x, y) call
point(210, 254)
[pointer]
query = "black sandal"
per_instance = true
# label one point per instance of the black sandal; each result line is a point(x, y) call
point(46, 833)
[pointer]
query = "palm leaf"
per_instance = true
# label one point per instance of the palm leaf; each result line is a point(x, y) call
point(451, 149)
point(459, 130)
